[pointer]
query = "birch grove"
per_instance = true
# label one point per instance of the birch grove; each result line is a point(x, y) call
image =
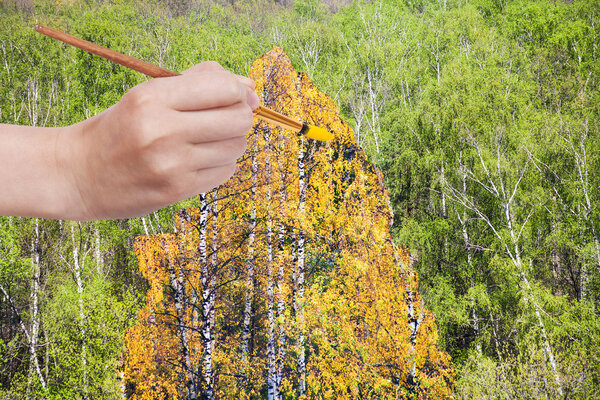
point(507, 296)
point(276, 236)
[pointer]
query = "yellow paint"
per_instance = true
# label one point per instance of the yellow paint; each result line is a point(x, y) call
point(314, 132)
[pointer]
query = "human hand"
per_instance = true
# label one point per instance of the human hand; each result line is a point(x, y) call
point(166, 140)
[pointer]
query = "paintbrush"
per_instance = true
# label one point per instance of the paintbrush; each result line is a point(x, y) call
point(264, 113)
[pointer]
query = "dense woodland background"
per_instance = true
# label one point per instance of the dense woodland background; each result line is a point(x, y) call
point(482, 116)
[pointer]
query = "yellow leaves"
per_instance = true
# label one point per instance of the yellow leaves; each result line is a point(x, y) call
point(148, 348)
point(360, 290)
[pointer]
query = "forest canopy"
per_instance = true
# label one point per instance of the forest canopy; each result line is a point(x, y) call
point(482, 117)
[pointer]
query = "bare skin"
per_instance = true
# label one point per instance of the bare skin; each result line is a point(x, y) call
point(166, 140)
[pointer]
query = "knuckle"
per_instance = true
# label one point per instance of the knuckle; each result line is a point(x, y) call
point(247, 119)
point(140, 114)
point(143, 134)
point(211, 65)
point(164, 169)
point(239, 145)
point(139, 98)
point(150, 163)
point(232, 89)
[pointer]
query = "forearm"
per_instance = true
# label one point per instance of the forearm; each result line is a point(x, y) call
point(166, 140)
point(33, 181)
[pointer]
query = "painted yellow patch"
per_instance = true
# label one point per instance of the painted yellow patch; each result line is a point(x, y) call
point(314, 132)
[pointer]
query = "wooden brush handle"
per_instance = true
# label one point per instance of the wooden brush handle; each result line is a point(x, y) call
point(126, 61)
point(154, 71)
point(266, 114)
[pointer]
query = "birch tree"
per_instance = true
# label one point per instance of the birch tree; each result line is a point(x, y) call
point(502, 182)
point(249, 290)
point(578, 144)
point(34, 329)
point(80, 248)
point(275, 218)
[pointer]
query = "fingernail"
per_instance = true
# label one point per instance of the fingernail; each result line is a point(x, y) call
point(253, 101)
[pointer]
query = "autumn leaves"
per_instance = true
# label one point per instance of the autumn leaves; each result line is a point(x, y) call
point(285, 283)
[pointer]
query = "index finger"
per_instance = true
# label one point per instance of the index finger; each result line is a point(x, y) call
point(215, 66)
point(201, 91)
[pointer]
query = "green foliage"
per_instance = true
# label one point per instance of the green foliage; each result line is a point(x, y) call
point(106, 318)
point(309, 9)
point(434, 90)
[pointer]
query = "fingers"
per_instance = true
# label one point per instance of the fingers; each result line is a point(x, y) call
point(205, 66)
point(252, 99)
point(215, 66)
point(203, 87)
point(206, 179)
point(212, 66)
point(214, 154)
point(198, 91)
point(205, 91)
point(187, 184)
point(211, 125)
point(246, 81)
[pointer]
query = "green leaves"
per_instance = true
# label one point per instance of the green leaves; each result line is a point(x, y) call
point(105, 320)
point(434, 90)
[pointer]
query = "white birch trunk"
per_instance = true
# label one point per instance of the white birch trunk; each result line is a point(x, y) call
point(301, 362)
point(280, 315)
point(143, 218)
point(281, 342)
point(250, 276)
point(205, 278)
point(414, 323)
point(271, 367)
point(98, 252)
point(465, 234)
point(179, 298)
point(77, 272)
point(547, 349)
point(214, 265)
point(34, 366)
point(295, 275)
point(499, 190)
point(26, 333)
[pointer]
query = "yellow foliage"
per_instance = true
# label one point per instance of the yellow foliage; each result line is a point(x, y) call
point(351, 304)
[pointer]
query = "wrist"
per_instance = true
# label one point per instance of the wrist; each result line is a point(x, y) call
point(35, 182)
point(68, 165)
point(58, 191)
